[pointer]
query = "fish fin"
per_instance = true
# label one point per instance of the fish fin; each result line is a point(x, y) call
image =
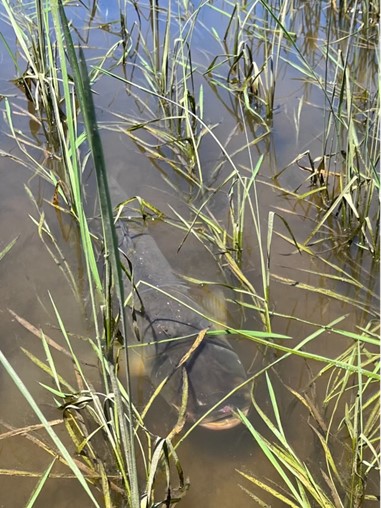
point(213, 300)
point(136, 364)
point(211, 297)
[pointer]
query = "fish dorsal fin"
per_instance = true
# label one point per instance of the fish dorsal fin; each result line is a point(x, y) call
point(210, 297)
point(213, 300)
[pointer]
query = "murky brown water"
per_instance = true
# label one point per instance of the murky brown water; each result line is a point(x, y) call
point(29, 273)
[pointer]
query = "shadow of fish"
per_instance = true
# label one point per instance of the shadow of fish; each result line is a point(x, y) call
point(163, 309)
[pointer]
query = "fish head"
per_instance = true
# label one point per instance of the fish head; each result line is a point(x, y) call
point(216, 377)
point(217, 386)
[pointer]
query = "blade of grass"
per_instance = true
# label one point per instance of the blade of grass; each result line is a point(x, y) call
point(111, 244)
point(8, 247)
point(40, 485)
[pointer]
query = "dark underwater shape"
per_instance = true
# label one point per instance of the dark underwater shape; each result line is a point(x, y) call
point(213, 369)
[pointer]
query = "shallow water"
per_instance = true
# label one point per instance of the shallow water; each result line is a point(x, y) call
point(29, 273)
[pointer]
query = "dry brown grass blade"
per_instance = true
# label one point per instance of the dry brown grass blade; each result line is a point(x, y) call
point(31, 328)
point(181, 419)
point(23, 431)
point(312, 408)
point(195, 345)
point(37, 474)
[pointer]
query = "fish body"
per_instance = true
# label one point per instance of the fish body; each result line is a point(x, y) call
point(164, 309)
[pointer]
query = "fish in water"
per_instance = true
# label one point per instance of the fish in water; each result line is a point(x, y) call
point(163, 309)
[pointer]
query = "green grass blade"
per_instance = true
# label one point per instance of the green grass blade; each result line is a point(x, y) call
point(82, 83)
point(271, 457)
point(7, 248)
point(40, 485)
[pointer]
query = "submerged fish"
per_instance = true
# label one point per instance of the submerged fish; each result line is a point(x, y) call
point(163, 309)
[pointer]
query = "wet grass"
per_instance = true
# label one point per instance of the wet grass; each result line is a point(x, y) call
point(112, 412)
point(161, 69)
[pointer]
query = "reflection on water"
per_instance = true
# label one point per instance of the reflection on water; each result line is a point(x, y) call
point(146, 164)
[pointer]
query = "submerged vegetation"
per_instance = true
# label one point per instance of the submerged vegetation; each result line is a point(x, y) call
point(172, 66)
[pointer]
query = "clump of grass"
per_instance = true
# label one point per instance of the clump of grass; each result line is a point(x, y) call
point(39, 79)
point(251, 74)
point(91, 418)
point(337, 483)
point(165, 64)
point(111, 414)
point(345, 173)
